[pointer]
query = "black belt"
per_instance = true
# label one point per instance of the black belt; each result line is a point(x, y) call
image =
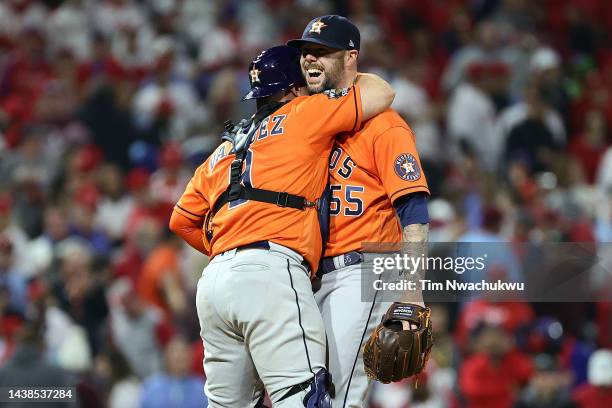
point(266, 245)
point(350, 258)
point(254, 245)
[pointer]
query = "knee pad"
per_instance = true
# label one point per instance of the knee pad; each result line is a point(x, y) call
point(318, 395)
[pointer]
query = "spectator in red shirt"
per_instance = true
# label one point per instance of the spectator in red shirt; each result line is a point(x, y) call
point(493, 375)
point(589, 146)
point(168, 182)
point(145, 205)
point(510, 315)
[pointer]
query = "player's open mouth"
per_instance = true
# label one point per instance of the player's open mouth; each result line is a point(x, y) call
point(314, 73)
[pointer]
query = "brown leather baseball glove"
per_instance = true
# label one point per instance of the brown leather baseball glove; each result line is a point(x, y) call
point(391, 353)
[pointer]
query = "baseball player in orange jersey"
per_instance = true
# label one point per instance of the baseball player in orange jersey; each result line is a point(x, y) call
point(379, 195)
point(251, 206)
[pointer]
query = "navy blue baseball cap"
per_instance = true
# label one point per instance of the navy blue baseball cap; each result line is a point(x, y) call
point(331, 31)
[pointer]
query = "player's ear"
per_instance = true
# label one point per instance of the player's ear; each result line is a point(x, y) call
point(350, 58)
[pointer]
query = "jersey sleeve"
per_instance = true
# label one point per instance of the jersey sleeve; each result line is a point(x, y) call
point(398, 164)
point(324, 115)
point(193, 204)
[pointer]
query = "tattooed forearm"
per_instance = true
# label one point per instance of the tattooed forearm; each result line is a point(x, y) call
point(416, 233)
point(415, 245)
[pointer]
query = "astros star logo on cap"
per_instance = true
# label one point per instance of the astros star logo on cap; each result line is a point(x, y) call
point(317, 26)
point(254, 73)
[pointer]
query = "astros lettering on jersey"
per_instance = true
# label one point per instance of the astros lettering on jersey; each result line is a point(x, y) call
point(289, 153)
point(364, 184)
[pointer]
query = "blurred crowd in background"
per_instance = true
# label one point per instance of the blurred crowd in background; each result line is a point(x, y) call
point(107, 106)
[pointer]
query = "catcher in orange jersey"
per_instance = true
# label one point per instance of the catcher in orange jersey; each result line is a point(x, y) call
point(379, 195)
point(252, 206)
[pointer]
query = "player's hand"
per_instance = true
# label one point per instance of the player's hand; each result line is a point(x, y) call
point(409, 326)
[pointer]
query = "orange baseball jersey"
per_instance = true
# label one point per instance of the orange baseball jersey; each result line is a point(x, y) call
point(370, 169)
point(290, 153)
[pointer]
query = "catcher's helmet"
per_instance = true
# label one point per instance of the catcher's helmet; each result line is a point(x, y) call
point(275, 69)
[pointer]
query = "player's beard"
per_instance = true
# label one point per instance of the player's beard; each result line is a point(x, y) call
point(333, 77)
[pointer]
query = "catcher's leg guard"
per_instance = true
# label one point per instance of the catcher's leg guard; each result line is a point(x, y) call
point(318, 396)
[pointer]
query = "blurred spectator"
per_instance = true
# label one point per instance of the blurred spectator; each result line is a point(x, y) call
point(42, 249)
point(29, 368)
point(174, 387)
point(28, 162)
point(393, 395)
point(598, 391)
point(69, 23)
point(472, 113)
point(224, 90)
point(511, 315)
point(106, 114)
point(14, 233)
point(530, 138)
point(66, 341)
point(138, 246)
point(25, 75)
point(443, 221)
point(9, 325)
point(490, 376)
point(145, 206)
point(115, 205)
point(160, 283)
point(125, 387)
point(588, 147)
point(79, 292)
point(501, 262)
point(166, 105)
point(11, 278)
point(581, 33)
point(488, 46)
point(132, 47)
point(133, 327)
point(543, 336)
point(604, 174)
point(459, 32)
point(83, 224)
point(549, 386)
point(545, 66)
point(169, 181)
point(536, 102)
point(112, 15)
point(414, 104)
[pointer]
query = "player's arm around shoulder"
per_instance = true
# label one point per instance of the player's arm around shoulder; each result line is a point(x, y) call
point(376, 94)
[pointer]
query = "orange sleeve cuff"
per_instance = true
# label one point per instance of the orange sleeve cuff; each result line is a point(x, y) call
point(409, 190)
point(190, 230)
